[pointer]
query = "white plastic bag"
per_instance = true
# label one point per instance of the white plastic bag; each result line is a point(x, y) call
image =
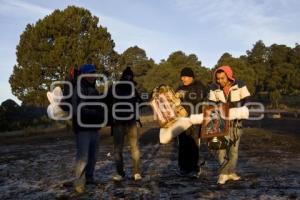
point(54, 111)
point(167, 134)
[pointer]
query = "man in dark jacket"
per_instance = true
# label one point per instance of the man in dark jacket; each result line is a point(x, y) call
point(124, 99)
point(192, 93)
point(86, 120)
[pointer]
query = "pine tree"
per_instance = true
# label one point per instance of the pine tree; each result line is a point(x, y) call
point(48, 48)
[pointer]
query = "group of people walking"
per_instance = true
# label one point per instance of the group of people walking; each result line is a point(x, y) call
point(121, 101)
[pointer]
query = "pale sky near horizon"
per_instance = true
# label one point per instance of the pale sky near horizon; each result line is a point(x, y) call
point(207, 28)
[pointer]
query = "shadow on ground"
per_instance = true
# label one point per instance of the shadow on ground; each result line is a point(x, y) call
point(40, 167)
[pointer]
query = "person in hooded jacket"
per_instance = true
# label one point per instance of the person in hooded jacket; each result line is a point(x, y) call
point(86, 123)
point(124, 98)
point(227, 89)
point(191, 92)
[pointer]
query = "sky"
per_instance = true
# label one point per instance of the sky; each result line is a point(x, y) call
point(207, 28)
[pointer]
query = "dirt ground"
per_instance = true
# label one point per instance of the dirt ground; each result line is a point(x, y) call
point(41, 167)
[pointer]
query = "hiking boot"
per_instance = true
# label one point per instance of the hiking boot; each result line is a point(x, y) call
point(234, 177)
point(117, 177)
point(193, 174)
point(222, 179)
point(79, 189)
point(79, 186)
point(137, 177)
point(180, 172)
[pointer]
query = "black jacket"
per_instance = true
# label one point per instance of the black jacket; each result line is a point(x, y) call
point(125, 97)
point(88, 114)
point(194, 94)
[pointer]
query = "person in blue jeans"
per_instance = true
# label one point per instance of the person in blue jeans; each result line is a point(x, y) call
point(86, 156)
point(86, 123)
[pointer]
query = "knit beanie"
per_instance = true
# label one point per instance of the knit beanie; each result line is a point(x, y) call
point(187, 71)
point(127, 72)
point(87, 69)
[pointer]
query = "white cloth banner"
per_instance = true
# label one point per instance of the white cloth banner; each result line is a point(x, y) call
point(183, 123)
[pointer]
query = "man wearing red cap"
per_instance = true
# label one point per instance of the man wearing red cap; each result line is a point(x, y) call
point(227, 89)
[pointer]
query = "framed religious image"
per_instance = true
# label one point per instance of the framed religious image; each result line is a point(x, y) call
point(215, 121)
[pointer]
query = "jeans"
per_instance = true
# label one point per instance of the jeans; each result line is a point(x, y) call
point(87, 143)
point(120, 129)
point(228, 161)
